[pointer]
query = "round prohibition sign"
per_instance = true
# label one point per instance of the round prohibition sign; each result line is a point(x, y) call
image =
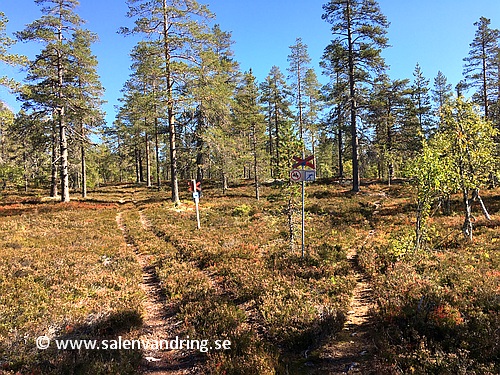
point(295, 175)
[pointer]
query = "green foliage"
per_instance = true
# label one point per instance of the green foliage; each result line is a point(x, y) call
point(359, 30)
point(430, 173)
point(10, 174)
point(436, 309)
point(243, 210)
point(481, 66)
point(441, 92)
point(421, 103)
point(10, 59)
point(388, 112)
point(461, 157)
point(470, 144)
point(472, 152)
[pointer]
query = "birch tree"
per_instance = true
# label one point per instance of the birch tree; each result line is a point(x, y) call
point(471, 149)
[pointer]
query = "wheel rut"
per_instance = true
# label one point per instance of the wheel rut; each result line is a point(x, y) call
point(159, 319)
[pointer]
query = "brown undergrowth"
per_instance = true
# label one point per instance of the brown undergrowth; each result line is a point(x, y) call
point(437, 309)
point(66, 270)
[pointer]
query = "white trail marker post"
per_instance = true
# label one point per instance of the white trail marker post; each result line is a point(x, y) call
point(195, 187)
point(303, 175)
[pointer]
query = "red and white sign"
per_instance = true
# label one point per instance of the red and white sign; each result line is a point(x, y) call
point(194, 186)
point(295, 175)
point(304, 162)
point(298, 175)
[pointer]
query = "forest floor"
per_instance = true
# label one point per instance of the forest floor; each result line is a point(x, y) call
point(125, 263)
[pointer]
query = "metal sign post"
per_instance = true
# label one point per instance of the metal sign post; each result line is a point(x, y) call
point(196, 197)
point(195, 187)
point(302, 175)
point(303, 237)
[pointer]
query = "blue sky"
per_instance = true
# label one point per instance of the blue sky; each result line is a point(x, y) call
point(434, 33)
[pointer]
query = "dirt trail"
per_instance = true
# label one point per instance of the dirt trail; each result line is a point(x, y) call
point(349, 353)
point(159, 322)
point(353, 349)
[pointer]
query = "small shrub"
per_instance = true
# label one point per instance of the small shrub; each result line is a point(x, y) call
point(242, 210)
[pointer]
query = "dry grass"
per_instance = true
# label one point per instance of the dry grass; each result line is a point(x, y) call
point(65, 269)
point(437, 308)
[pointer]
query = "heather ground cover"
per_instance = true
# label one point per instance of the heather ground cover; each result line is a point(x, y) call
point(68, 271)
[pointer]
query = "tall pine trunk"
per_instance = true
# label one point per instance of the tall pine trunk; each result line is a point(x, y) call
point(170, 109)
point(64, 157)
point(148, 161)
point(271, 143)
point(255, 164)
point(157, 151)
point(54, 161)
point(63, 141)
point(352, 98)
point(200, 157)
point(25, 168)
point(84, 171)
point(390, 162)
point(84, 162)
point(277, 136)
point(137, 166)
point(340, 148)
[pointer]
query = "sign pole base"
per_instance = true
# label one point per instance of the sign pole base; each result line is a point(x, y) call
point(197, 213)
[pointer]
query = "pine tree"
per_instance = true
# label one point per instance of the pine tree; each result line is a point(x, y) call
point(336, 95)
point(211, 86)
point(178, 26)
point(6, 165)
point(52, 67)
point(86, 101)
point(276, 99)
point(359, 28)
point(249, 118)
point(387, 112)
point(312, 108)
point(29, 139)
point(5, 57)
point(442, 91)
point(145, 94)
point(134, 119)
point(495, 105)
point(421, 102)
point(480, 69)
point(299, 64)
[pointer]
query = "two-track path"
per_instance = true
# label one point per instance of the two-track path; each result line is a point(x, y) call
point(350, 353)
point(159, 319)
